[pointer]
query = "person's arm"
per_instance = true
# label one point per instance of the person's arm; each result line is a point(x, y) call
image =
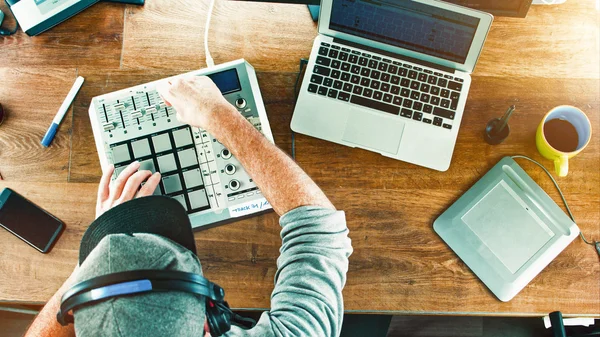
point(124, 188)
point(199, 102)
point(307, 299)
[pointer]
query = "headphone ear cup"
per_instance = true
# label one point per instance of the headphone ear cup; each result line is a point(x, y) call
point(218, 316)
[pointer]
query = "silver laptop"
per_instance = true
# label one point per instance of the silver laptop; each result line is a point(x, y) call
point(391, 76)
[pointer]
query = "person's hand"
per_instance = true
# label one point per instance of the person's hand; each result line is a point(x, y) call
point(125, 187)
point(196, 99)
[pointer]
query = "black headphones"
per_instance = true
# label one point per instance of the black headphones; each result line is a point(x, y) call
point(4, 31)
point(218, 314)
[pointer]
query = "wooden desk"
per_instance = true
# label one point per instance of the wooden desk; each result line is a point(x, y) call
point(399, 264)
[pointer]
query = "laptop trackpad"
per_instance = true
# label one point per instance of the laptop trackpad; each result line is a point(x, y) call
point(373, 131)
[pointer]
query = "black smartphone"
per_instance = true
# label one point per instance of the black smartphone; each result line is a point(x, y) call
point(28, 222)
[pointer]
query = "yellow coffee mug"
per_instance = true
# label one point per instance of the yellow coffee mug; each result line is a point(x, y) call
point(556, 135)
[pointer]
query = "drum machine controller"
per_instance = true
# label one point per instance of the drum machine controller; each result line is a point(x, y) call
point(197, 170)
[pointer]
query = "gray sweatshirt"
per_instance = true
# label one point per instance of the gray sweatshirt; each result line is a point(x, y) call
point(307, 299)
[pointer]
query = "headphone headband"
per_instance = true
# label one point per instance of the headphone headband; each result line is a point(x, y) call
point(135, 282)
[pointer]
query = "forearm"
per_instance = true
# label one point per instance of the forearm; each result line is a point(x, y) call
point(282, 181)
point(45, 323)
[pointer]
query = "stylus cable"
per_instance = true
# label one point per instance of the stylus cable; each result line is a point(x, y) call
point(209, 60)
point(562, 196)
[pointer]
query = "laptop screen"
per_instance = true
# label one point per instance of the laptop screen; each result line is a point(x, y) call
point(406, 24)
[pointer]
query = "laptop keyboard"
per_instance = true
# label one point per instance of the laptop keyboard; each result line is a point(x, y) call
point(386, 85)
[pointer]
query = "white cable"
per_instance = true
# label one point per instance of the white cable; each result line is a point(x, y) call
point(562, 196)
point(209, 60)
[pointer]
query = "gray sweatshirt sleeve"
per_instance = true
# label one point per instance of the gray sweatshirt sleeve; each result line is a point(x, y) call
point(307, 299)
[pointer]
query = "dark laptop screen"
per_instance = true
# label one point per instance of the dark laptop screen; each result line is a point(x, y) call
point(406, 24)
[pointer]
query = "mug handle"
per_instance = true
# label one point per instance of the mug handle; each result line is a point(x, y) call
point(561, 165)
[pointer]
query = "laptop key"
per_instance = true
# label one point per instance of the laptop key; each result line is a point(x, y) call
point(375, 74)
point(435, 100)
point(392, 69)
point(365, 82)
point(405, 82)
point(332, 93)
point(322, 90)
point(428, 71)
point(454, 104)
point(385, 77)
point(408, 66)
point(365, 72)
point(345, 66)
point(435, 90)
point(417, 68)
point(335, 47)
point(385, 87)
point(382, 66)
point(375, 57)
point(424, 87)
point(427, 108)
point(427, 120)
point(345, 77)
point(442, 82)
point(355, 79)
point(325, 44)
point(345, 49)
point(367, 92)
point(366, 55)
point(454, 85)
point(375, 84)
point(347, 87)
point(397, 100)
point(402, 72)
point(454, 95)
point(313, 88)
point(432, 79)
point(369, 103)
point(404, 92)
point(445, 103)
point(422, 77)
point(412, 74)
point(447, 126)
point(322, 70)
point(335, 64)
point(415, 85)
point(406, 113)
point(387, 60)
point(377, 94)
point(395, 80)
point(363, 61)
point(417, 116)
point(395, 90)
point(445, 93)
point(353, 59)
point(407, 103)
point(323, 51)
point(343, 56)
point(344, 96)
point(324, 61)
point(437, 121)
point(336, 74)
point(357, 90)
point(355, 69)
point(396, 63)
point(316, 79)
point(373, 64)
point(333, 53)
point(415, 95)
point(387, 98)
point(338, 84)
point(417, 106)
point(328, 82)
point(425, 98)
point(443, 113)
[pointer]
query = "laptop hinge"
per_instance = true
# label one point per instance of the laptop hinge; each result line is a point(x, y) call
point(394, 55)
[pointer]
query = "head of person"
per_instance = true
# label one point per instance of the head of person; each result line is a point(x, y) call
point(150, 233)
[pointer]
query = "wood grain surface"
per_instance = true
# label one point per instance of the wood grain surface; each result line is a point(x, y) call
point(399, 264)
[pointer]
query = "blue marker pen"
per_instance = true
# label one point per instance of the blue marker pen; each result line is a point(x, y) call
point(62, 111)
